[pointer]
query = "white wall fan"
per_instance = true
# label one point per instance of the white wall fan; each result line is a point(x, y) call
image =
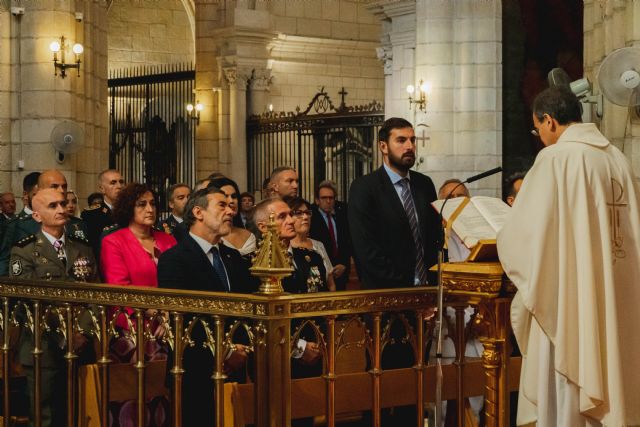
point(67, 137)
point(619, 77)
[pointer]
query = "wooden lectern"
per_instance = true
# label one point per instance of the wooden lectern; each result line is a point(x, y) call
point(483, 284)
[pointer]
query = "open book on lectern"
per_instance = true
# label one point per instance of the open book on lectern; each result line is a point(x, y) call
point(475, 222)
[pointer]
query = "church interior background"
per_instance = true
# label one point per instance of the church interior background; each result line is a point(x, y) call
point(261, 60)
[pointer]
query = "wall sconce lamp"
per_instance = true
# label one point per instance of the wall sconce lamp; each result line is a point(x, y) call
point(419, 100)
point(194, 111)
point(61, 46)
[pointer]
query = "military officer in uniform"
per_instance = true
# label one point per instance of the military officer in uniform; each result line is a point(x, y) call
point(98, 218)
point(177, 196)
point(29, 186)
point(49, 254)
point(24, 225)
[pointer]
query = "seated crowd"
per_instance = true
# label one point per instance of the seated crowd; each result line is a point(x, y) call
point(204, 242)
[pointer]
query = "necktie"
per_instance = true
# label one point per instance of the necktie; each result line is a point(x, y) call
point(332, 234)
point(410, 209)
point(58, 245)
point(218, 267)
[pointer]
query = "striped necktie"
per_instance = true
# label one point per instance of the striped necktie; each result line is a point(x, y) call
point(410, 209)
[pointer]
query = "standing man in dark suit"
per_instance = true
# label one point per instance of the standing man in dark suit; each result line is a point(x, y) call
point(394, 229)
point(330, 226)
point(200, 262)
point(97, 218)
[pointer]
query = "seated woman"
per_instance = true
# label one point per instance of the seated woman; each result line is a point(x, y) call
point(314, 271)
point(129, 256)
point(239, 238)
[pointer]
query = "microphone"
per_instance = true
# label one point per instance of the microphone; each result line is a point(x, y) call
point(484, 174)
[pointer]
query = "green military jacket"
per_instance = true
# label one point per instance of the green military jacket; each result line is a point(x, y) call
point(34, 257)
point(23, 226)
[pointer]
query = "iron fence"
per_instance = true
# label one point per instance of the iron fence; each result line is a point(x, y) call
point(152, 137)
point(321, 142)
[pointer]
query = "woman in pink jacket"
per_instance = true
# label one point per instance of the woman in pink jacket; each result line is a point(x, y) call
point(129, 256)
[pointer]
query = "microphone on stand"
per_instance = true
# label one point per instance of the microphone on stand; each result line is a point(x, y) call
point(438, 405)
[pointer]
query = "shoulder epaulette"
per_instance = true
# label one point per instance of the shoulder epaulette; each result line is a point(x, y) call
point(25, 241)
point(91, 208)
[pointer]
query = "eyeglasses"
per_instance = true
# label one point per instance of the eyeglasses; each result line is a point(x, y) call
point(299, 213)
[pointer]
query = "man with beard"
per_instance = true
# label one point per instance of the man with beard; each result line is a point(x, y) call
point(394, 229)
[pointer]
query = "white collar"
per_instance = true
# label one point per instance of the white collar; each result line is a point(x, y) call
point(206, 246)
point(52, 239)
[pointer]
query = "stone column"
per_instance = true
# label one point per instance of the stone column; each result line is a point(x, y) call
point(208, 19)
point(397, 51)
point(458, 49)
point(6, 55)
point(259, 85)
point(235, 143)
point(40, 100)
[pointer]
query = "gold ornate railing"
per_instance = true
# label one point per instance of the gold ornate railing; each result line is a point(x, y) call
point(273, 398)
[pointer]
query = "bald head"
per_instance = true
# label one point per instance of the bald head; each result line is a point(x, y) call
point(49, 210)
point(282, 217)
point(54, 179)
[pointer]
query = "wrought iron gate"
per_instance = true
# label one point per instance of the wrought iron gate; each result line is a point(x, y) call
point(322, 142)
point(152, 138)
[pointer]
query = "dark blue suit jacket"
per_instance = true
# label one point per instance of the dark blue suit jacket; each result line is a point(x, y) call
point(383, 246)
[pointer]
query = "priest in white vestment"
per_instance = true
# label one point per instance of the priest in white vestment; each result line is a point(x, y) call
point(571, 246)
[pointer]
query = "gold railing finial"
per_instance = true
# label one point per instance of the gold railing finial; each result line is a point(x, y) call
point(271, 263)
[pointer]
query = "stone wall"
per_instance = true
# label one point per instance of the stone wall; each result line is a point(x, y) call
point(149, 32)
point(34, 100)
point(455, 45)
point(610, 25)
point(6, 55)
point(324, 43)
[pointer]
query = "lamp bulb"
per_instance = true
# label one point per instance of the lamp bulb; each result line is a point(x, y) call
point(189, 107)
point(426, 87)
point(78, 48)
point(55, 46)
point(411, 89)
point(199, 107)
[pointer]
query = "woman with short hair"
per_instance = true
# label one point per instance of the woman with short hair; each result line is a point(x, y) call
point(129, 256)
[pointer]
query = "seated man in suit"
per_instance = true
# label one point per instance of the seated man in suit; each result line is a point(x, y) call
point(200, 262)
point(49, 254)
